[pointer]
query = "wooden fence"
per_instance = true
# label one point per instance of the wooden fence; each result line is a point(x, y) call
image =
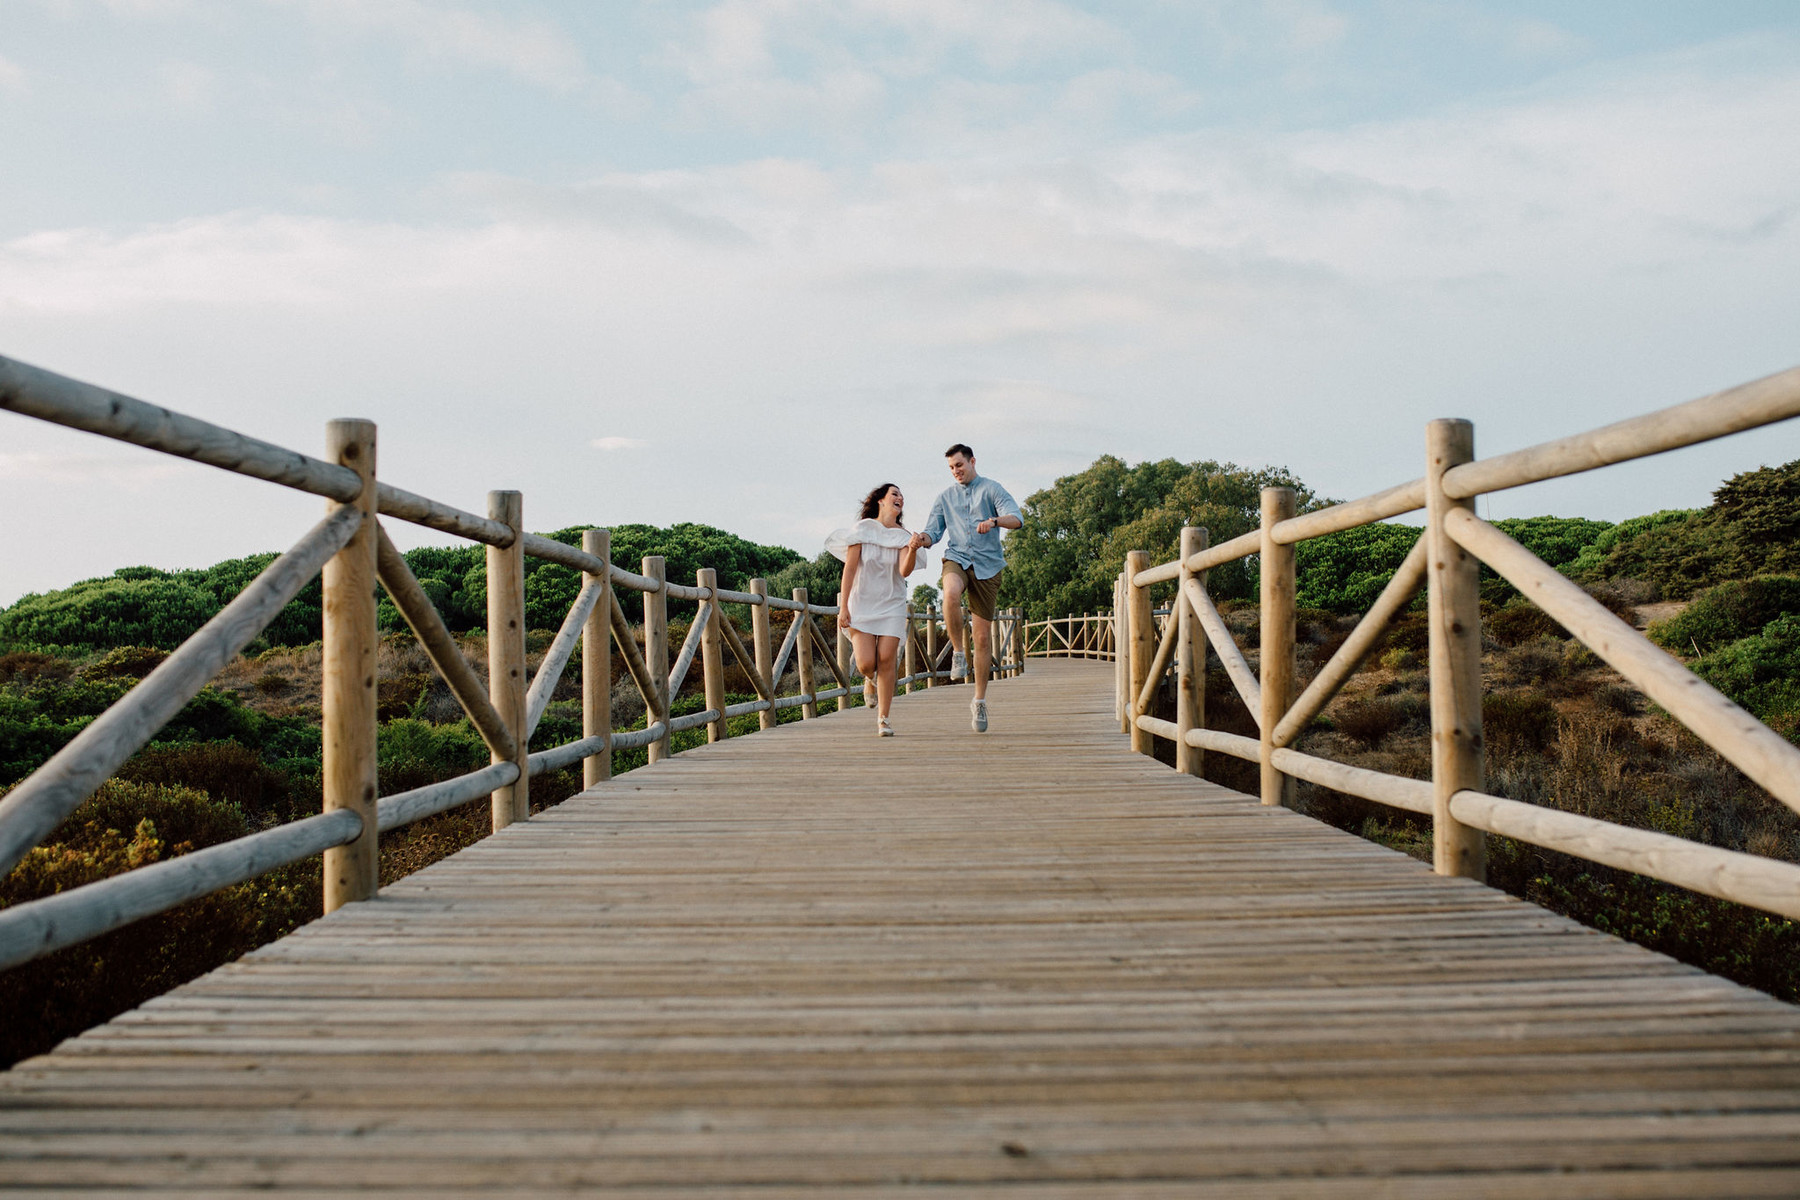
point(352, 551)
point(1447, 561)
point(1091, 636)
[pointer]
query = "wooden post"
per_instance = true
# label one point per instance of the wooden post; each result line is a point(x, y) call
point(596, 666)
point(846, 661)
point(1453, 605)
point(1276, 578)
point(712, 657)
point(506, 651)
point(1190, 661)
point(760, 646)
point(908, 647)
point(1143, 647)
point(803, 663)
point(1121, 655)
point(656, 647)
point(931, 646)
point(349, 723)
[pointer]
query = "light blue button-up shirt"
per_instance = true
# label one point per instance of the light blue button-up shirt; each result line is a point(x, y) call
point(956, 512)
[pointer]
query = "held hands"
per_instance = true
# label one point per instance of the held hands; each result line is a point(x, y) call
point(919, 542)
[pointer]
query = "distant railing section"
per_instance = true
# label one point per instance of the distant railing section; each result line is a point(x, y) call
point(352, 551)
point(1090, 636)
point(1447, 561)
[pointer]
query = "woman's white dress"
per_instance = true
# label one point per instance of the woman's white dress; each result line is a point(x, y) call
point(878, 596)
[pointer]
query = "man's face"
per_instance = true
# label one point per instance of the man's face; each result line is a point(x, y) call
point(962, 467)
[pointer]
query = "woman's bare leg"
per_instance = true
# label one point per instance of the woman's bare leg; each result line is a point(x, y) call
point(867, 653)
point(888, 652)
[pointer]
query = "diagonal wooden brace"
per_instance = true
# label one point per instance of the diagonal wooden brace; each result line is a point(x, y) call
point(403, 587)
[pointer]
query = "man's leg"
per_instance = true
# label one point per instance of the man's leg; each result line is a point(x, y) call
point(953, 594)
point(984, 657)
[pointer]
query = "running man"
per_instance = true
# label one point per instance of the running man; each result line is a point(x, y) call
point(972, 512)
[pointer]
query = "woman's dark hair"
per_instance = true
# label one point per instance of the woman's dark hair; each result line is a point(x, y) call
point(872, 502)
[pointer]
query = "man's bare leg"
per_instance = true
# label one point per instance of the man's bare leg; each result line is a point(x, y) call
point(984, 652)
point(953, 594)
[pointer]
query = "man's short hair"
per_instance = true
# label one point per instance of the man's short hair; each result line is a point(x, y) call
point(957, 449)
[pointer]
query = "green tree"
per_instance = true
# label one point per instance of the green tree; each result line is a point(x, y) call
point(1064, 558)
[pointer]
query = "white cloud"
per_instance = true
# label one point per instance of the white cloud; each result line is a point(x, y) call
point(1541, 264)
point(533, 50)
point(13, 80)
point(189, 86)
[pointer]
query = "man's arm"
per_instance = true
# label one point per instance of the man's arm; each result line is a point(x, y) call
point(1006, 511)
point(934, 525)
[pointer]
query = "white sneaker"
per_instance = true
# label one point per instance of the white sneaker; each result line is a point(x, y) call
point(959, 666)
point(978, 715)
point(883, 729)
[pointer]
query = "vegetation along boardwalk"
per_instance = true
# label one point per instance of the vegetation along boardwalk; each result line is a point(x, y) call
point(1031, 958)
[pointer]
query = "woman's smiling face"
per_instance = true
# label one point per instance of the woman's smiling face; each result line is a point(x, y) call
point(893, 504)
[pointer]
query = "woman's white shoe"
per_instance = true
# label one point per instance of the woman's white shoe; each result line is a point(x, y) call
point(883, 729)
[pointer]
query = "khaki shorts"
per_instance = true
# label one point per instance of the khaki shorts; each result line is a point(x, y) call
point(980, 593)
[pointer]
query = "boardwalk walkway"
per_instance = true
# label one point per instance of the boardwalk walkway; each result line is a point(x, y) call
point(809, 962)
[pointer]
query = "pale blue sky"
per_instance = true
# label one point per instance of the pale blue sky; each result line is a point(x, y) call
point(734, 262)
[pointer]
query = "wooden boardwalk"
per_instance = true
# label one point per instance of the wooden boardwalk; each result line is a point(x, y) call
point(812, 963)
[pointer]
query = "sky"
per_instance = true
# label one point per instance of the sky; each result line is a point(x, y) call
point(737, 262)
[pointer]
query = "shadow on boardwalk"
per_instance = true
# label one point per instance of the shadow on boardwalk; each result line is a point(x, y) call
point(973, 961)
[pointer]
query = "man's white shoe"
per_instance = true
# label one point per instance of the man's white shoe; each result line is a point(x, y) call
point(959, 666)
point(978, 715)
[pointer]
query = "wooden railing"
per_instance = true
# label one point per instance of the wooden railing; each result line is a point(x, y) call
point(1447, 561)
point(352, 551)
point(1090, 636)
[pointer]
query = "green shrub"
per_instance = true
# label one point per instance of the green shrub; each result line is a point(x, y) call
point(228, 772)
point(1727, 612)
point(1761, 672)
point(1345, 572)
point(1521, 622)
point(413, 753)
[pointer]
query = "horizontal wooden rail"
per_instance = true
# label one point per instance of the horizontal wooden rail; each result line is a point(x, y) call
point(31, 930)
point(1393, 502)
point(390, 501)
point(1745, 878)
point(38, 805)
point(1414, 795)
point(34, 392)
point(403, 808)
point(1747, 406)
point(1234, 744)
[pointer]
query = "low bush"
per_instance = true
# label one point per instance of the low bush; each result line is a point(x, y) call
point(1517, 722)
point(1728, 612)
point(1761, 672)
point(1521, 622)
point(1373, 720)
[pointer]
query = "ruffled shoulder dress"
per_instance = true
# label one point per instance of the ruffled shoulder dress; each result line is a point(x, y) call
point(878, 597)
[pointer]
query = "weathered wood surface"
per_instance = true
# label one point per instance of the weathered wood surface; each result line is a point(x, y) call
point(816, 963)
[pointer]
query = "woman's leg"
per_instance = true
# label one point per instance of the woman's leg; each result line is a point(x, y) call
point(866, 652)
point(888, 652)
